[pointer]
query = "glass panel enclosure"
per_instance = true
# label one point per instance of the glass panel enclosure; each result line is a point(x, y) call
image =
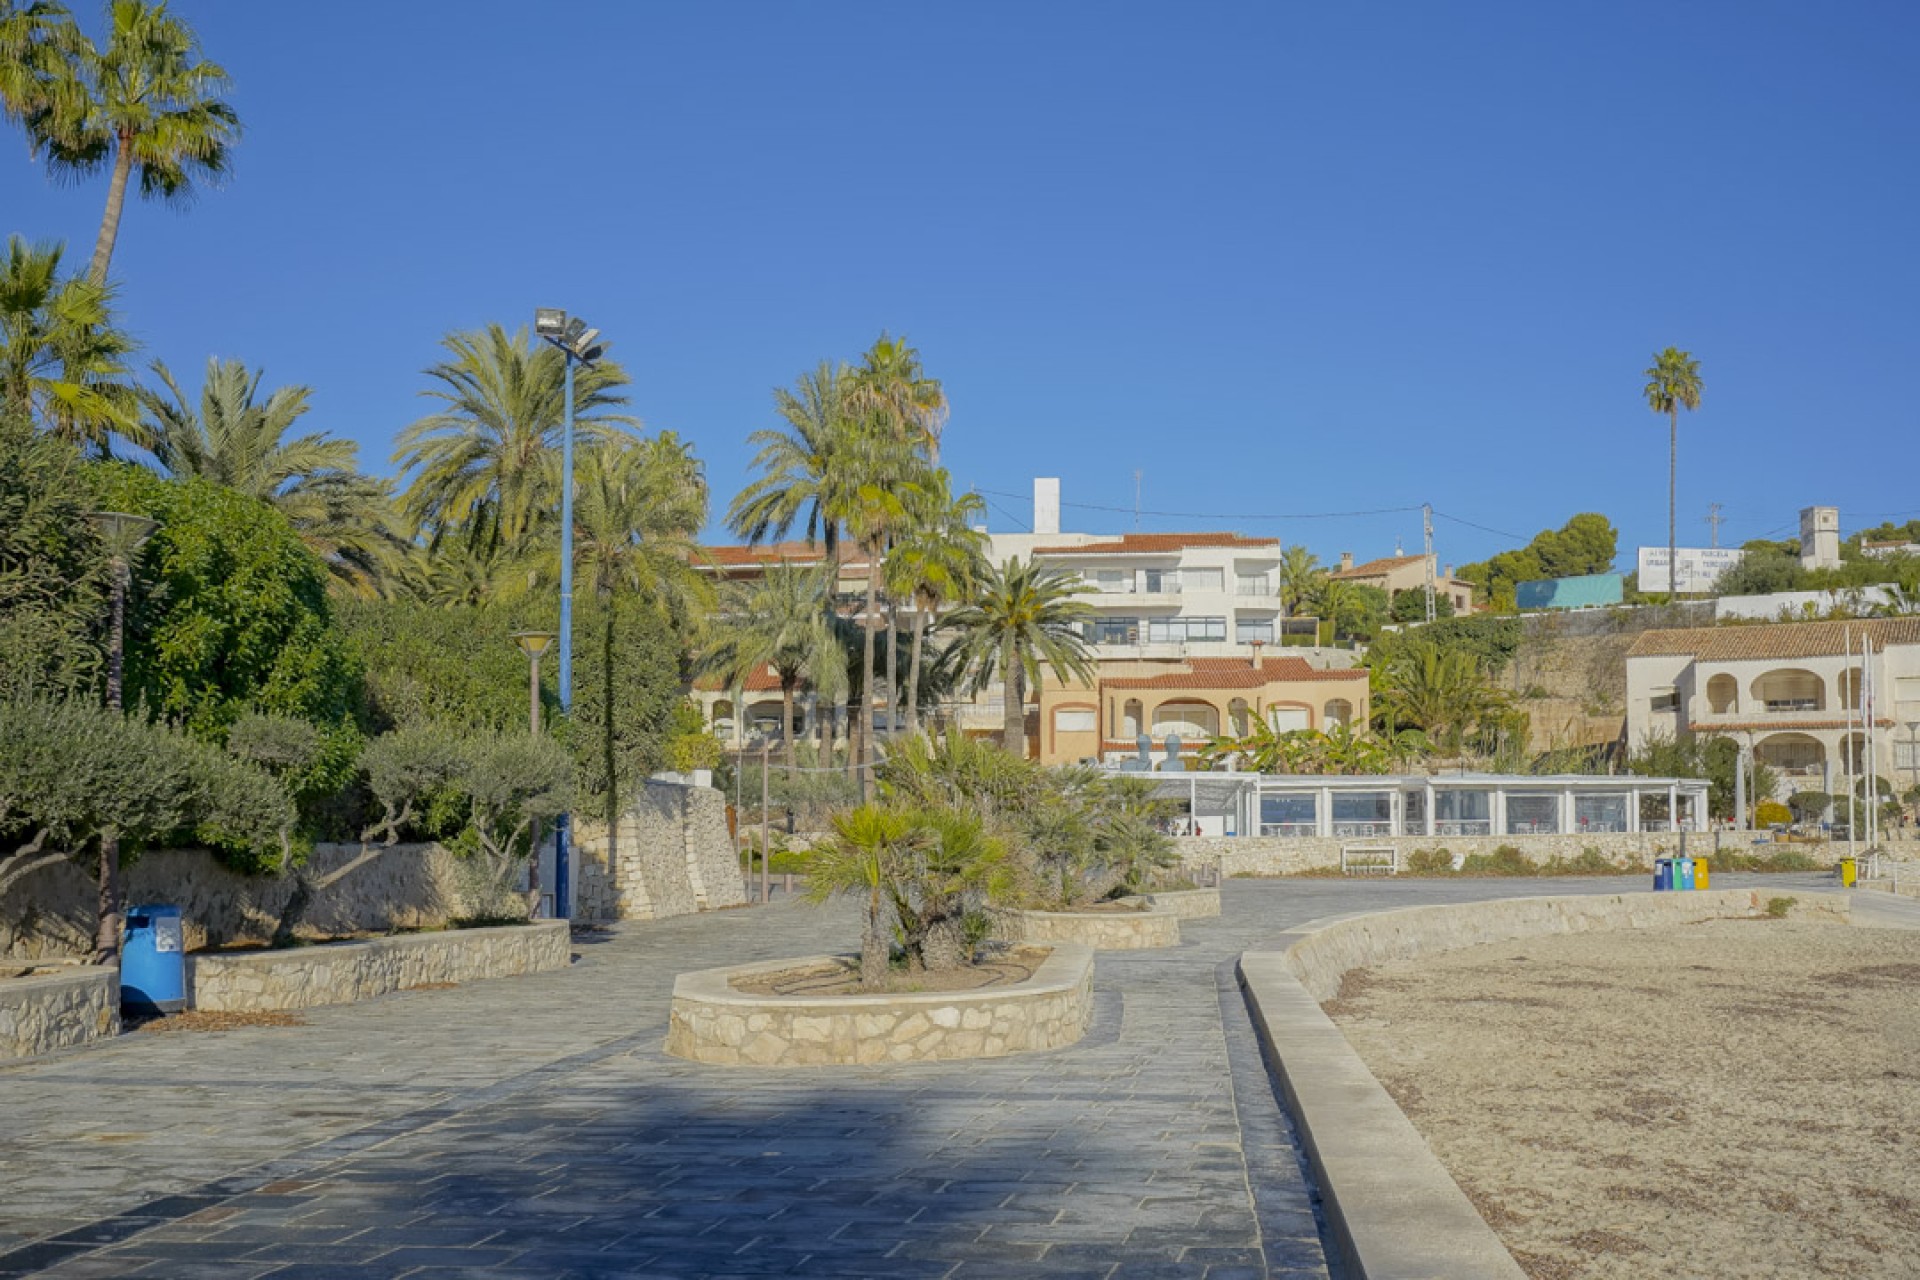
point(1463, 813)
point(1289, 815)
point(1533, 815)
point(1600, 813)
point(1415, 803)
point(1363, 813)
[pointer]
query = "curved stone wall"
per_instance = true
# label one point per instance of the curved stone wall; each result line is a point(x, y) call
point(1101, 930)
point(1188, 904)
point(713, 1022)
point(339, 972)
point(53, 1010)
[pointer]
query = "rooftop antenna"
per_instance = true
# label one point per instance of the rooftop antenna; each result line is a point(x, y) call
point(1136, 499)
point(1715, 520)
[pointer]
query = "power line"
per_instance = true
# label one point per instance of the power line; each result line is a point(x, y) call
point(1209, 515)
point(1498, 533)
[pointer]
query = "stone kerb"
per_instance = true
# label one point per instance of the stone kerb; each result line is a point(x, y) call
point(340, 972)
point(713, 1022)
point(51, 1011)
point(1393, 1210)
point(1101, 930)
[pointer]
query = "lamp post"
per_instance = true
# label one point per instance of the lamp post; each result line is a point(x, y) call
point(577, 342)
point(123, 535)
point(535, 645)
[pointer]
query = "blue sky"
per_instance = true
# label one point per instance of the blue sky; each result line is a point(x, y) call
point(1283, 259)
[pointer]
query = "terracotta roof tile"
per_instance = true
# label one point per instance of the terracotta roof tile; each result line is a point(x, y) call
point(763, 680)
point(1376, 568)
point(1142, 543)
point(1774, 641)
point(770, 553)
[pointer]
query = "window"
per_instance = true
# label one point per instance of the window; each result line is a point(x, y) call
point(1600, 813)
point(1248, 630)
point(1906, 755)
point(1287, 719)
point(1253, 584)
point(1906, 689)
point(1112, 581)
point(1533, 815)
point(1363, 813)
point(1288, 815)
point(1159, 581)
point(1203, 580)
point(1075, 720)
point(1112, 631)
point(1665, 700)
point(1181, 630)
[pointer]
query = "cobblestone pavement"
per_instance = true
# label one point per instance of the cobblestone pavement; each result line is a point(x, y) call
point(533, 1127)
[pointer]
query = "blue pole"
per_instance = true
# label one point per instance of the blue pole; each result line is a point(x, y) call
point(562, 829)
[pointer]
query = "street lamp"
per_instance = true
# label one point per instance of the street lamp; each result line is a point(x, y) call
point(122, 534)
point(581, 344)
point(535, 645)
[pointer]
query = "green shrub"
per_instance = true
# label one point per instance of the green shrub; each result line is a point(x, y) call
point(1777, 908)
point(1771, 813)
point(1430, 862)
point(1590, 862)
point(53, 572)
point(1503, 861)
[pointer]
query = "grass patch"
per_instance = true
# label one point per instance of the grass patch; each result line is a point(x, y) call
point(1777, 908)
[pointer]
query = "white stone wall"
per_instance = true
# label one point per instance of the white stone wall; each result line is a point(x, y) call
point(51, 1011)
point(411, 886)
point(340, 972)
point(713, 1022)
point(668, 856)
point(1630, 851)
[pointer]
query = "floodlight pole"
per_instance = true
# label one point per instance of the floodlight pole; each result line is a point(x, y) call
point(563, 824)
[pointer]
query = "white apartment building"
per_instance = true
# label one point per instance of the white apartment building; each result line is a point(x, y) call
point(1165, 596)
point(1790, 691)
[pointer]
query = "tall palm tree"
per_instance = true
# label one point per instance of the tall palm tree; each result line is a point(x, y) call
point(1025, 614)
point(936, 559)
point(142, 101)
point(882, 478)
point(1673, 384)
point(492, 451)
point(234, 438)
point(779, 621)
point(30, 35)
point(637, 509)
point(891, 385)
point(62, 361)
point(799, 482)
point(1443, 693)
point(1300, 577)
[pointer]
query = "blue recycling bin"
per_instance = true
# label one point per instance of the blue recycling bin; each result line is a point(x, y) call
point(153, 961)
point(1683, 873)
point(1662, 874)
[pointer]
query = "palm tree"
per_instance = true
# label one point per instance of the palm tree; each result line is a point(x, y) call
point(29, 54)
point(234, 438)
point(1025, 614)
point(865, 857)
point(639, 505)
point(1443, 693)
point(779, 621)
point(798, 472)
point(1673, 384)
point(143, 100)
point(62, 361)
point(1300, 577)
point(492, 452)
point(891, 385)
point(936, 559)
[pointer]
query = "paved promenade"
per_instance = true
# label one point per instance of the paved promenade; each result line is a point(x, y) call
point(533, 1127)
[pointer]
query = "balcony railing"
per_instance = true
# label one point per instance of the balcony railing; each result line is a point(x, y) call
point(1466, 827)
point(1290, 830)
point(1363, 828)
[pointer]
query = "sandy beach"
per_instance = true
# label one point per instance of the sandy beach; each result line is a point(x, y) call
point(1734, 1099)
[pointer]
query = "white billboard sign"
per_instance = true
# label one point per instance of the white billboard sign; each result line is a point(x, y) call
point(1700, 567)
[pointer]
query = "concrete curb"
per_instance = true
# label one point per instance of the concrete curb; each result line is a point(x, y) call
point(1393, 1210)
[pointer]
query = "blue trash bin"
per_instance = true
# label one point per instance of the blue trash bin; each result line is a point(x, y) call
point(1662, 874)
point(153, 962)
point(1683, 873)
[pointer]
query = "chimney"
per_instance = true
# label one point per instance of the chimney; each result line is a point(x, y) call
point(1046, 504)
point(1346, 561)
point(1447, 572)
point(1255, 645)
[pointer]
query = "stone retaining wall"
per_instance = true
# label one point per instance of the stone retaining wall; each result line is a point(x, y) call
point(1282, 855)
point(53, 1010)
point(1188, 904)
point(1101, 930)
point(339, 972)
point(1320, 952)
point(669, 856)
point(714, 1022)
point(411, 886)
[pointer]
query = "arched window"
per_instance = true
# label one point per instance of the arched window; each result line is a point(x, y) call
point(1337, 711)
point(1723, 694)
point(1790, 689)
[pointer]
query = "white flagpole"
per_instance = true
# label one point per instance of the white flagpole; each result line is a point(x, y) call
point(1846, 747)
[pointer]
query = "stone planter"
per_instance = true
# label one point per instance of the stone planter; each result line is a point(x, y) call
point(53, 1010)
point(341, 972)
point(1188, 904)
point(1101, 930)
point(713, 1022)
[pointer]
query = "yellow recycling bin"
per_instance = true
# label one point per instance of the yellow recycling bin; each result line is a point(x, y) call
point(1849, 872)
point(1699, 873)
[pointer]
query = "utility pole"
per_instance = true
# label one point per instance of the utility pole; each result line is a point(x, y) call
point(1136, 499)
point(1715, 520)
point(1426, 529)
point(766, 831)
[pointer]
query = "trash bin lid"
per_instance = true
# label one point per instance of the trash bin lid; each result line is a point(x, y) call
point(154, 909)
